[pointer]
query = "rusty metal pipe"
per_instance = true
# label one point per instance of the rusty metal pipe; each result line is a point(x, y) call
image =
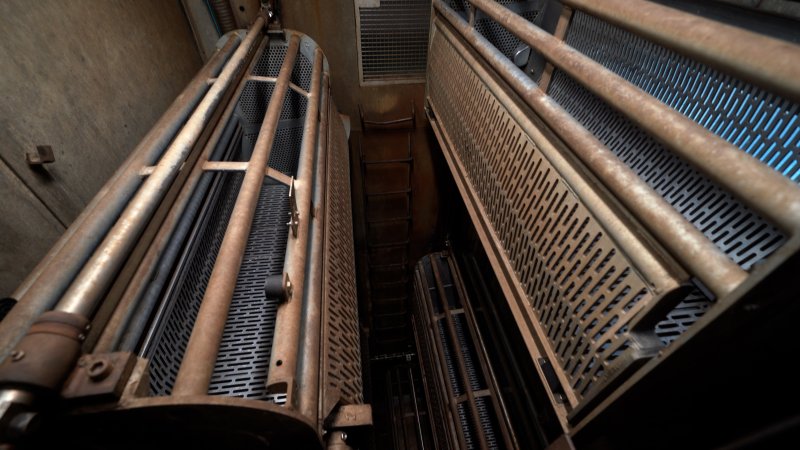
point(86, 291)
point(284, 357)
point(663, 275)
point(198, 362)
point(764, 190)
point(51, 277)
point(687, 244)
point(309, 370)
point(767, 62)
point(151, 262)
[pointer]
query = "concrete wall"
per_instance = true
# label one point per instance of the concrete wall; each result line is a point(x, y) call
point(89, 78)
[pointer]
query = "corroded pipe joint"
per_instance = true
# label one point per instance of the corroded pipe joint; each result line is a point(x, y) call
point(47, 354)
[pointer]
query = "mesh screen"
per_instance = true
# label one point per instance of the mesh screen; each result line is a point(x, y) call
point(394, 39)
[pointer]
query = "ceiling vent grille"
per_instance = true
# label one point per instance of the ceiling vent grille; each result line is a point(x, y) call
point(392, 40)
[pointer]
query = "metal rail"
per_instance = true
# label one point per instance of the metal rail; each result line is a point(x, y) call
point(768, 62)
point(691, 248)
point(51, 277)
point(309, 364)
point(281, 377)
point(151, 263)
point(198, 362)
point(86, 291)
point(763, 189)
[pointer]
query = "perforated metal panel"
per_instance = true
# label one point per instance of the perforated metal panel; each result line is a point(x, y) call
point(439, 302)
point(501, 38)
point(393, 40)
point(744, 236)
point(243, 359)
point(342, 347)
point(582, 289)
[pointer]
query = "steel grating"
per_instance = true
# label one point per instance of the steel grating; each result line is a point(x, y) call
point(393, 40)
point(342, 346)
point(761, 124)
point(243, 358)
point(468, 390)
point(582, 289)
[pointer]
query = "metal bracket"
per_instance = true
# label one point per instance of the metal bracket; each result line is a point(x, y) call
point(294, 213)
point(100, 377)
point(44, 155)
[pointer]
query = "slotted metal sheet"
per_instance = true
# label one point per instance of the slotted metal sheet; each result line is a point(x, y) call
point(342, 345)
point(243, 359)
point(393, 40)
point(581, 288)
point(761, 124)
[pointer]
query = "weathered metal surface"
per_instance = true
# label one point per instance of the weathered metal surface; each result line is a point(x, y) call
point(282, 373)
point(341, 349)
point(64, 260)
point(560, 251)
point(446, 331)
point(201, 354)
point(768, 62)
point(762, 189)
point(688, 244)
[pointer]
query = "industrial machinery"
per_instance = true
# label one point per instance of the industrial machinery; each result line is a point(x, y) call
point(611, 263)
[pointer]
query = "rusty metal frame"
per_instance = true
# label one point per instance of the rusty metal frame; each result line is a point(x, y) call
point(688, 245)
point(97, 274)
point(198, 362)
point(426, 320)
point(282, 374)
point(758, 186)
point(768, 62)
point(122, 315)
point(42, 288)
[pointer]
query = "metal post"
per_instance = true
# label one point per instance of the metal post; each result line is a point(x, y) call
point(51, 277)
point(309, 370)
point(692, 249)
point(198, 362)
point(284, 356)
point(758, 186)
point(87, 289)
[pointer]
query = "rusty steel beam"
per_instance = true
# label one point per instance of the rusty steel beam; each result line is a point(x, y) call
point(764, 190)
point(684, 241)
point(42, 288)
point(281, 377)
point(198, 362)
point(120, 319)
point(309, 365)
point(771, 63)
point(85, 292)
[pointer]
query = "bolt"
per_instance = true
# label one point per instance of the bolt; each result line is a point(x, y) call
point(344, 436)
point(99, 369)
point(16, 355)
point(81, 337)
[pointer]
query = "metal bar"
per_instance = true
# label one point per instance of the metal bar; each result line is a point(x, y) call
point(664, 276)
point(84, 293)
point(684, 241)
point(309, 367)
point(153, 261)
point(284, 356)
point(437, 350)
point(560, 32)
point(416, 409)
point(198, 362)
point(240, 166)
point(76, 245)
point(493, 388)
point(771, 63)
point(763, 189)
point(462, 365)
